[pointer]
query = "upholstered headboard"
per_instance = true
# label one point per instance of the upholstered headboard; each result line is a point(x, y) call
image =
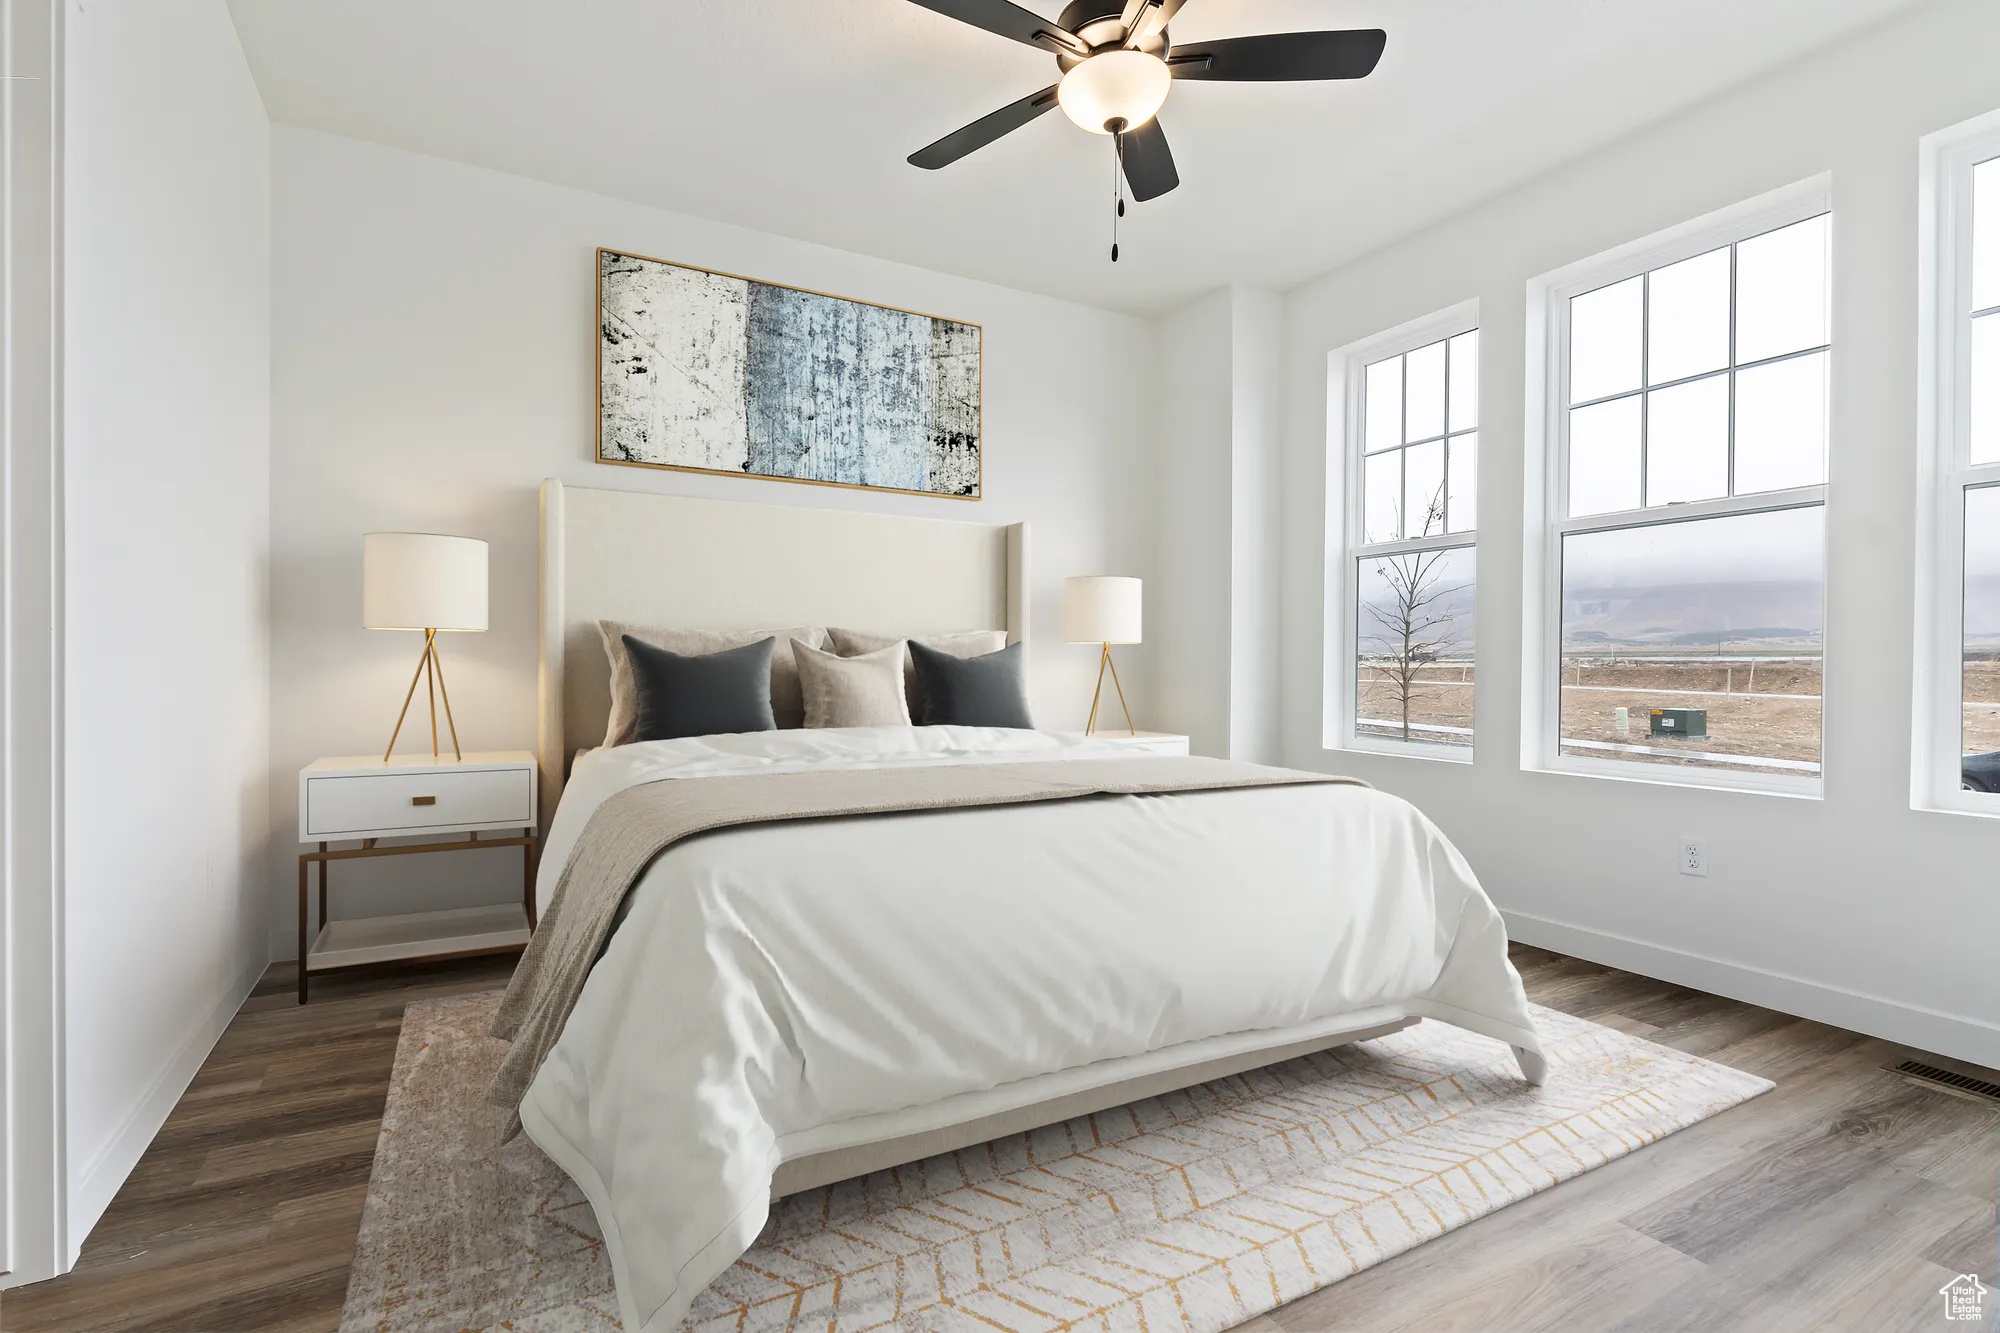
point(717, 564)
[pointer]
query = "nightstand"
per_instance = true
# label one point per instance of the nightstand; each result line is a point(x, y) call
point(364, 800)
point(1146, 742)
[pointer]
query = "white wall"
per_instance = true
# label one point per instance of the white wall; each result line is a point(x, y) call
point(1213, 613)
point(33, 1172)
point(1188, 605)
point(1852, 908)
point(167, 407)
point(433, 361)
point(1256, 507)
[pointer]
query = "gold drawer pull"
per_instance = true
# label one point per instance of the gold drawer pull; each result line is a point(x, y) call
point(423, 800)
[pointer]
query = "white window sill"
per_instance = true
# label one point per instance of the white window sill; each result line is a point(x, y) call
point(1798, 787)
point(1970, 805)
point(1448, 754)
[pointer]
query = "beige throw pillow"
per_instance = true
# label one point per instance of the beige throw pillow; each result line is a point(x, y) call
point(787, 709)
point(863, 691)
point(964, 643)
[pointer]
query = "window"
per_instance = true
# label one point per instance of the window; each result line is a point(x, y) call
point(1685, 533)
point(1959, 759)
point(1979, 659)
point(1407, 563)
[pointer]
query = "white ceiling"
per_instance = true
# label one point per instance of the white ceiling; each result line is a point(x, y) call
point(794, 116)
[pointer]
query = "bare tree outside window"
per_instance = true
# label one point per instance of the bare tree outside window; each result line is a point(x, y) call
point(1418, 622)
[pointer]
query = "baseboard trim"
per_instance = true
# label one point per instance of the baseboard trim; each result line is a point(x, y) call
point(1909, 1025)
point(97, 1184)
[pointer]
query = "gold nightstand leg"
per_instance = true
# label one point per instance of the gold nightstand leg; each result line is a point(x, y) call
point(528, 850)
point(302, 930)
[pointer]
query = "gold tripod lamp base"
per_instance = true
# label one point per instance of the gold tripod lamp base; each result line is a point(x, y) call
point(430, 670)
point(1104, 663)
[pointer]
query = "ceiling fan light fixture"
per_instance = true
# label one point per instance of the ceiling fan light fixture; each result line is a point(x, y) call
point(1115, 86)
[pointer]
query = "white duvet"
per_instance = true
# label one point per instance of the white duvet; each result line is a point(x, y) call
point(770, 983)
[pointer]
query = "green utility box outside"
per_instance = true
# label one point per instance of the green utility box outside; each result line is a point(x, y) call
point(1688, 723)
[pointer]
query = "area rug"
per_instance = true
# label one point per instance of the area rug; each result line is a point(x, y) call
point(1194, 1211)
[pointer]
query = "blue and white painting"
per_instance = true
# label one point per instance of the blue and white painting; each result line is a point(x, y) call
point(721, 374)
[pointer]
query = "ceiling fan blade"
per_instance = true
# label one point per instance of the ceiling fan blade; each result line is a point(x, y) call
point(1154, 15)
point(983, 131)
point(1149, 163)
point(1010, 20)
point(1281, 56)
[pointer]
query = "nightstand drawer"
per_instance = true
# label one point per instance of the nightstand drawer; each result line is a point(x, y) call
point(346, 806)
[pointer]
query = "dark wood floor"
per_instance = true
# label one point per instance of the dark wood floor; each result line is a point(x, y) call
point(1843, 1199)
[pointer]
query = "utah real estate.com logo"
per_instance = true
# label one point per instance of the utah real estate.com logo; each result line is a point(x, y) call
point(1964, 1296)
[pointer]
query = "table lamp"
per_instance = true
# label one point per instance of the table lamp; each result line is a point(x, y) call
point(423, 581)
point(1102, 609)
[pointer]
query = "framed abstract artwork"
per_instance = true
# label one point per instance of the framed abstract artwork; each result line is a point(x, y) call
point(710, 372)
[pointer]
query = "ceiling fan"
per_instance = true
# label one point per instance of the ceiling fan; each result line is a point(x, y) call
point(1117, 65)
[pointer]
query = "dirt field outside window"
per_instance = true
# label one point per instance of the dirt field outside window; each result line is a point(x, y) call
point(1758, 708)
point(1982, 705)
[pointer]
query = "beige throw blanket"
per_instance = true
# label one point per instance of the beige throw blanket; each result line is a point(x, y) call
point(630, 830)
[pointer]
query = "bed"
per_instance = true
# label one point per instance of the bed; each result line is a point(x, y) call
point(782, 1005)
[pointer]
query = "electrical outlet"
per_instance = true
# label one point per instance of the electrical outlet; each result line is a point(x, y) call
point(1694, 856)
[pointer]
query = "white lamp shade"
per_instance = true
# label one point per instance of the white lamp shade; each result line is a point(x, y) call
point(1101, 608)
point(420, 580)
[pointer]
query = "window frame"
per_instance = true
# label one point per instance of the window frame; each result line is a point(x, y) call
point(1347, 437)
point(1947, 475)
point(1546, 523)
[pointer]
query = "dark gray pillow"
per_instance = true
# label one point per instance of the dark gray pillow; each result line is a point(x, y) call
point(986, 691)
point(707, 695)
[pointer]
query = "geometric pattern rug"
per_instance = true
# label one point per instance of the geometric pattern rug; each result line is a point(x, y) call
point(1188, 1212)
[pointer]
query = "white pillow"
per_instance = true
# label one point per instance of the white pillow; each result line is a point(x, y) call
point(861, 691)
point(787, 708)
point(963, 643)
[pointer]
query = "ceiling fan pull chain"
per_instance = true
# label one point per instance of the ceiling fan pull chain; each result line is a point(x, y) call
point(1117, 188)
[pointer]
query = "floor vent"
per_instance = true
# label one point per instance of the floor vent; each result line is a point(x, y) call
point(1944, 1080)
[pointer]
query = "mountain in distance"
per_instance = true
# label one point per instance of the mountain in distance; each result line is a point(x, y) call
point(1982, 609)
point(1768, 614)
point(1751, 613)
